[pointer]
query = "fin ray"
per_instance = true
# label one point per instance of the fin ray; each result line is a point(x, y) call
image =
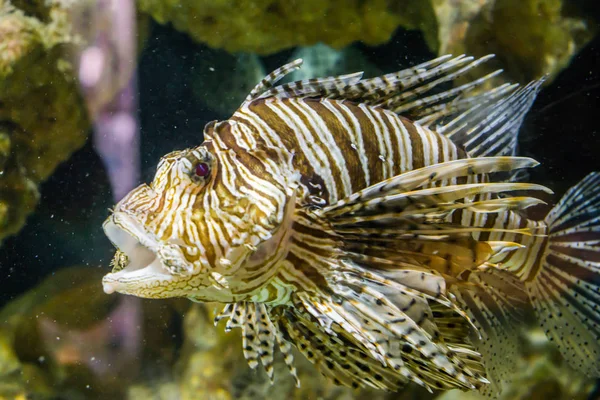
point(435, 174)
point(259, 335)
point(565, 289)
point(495, 302)
point(491, 129)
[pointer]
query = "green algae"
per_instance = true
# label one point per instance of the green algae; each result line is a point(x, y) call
point(42, 119)
point(267, 26)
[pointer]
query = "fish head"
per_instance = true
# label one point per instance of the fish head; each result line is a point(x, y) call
point(207, 216)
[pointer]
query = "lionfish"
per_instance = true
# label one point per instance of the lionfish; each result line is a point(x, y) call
point(376, 225)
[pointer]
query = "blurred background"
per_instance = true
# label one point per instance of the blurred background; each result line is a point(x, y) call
point(93, 93)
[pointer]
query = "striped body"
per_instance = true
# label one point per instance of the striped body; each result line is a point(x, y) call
point(340, 148)
point(360, 220)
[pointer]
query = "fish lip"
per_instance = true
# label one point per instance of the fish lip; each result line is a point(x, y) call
point(128, 235)
point(120, 222)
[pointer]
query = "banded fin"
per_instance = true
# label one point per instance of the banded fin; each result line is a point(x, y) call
point(250, 340)
point(387, 256)
point(393, 325)
point(288, 357)
point(495, 302)
point(411, 98)
point(427, 197)
point(400, 255)
point(414, 208)
point(503, 247)
point(565, 290)
point(265, 331)
point(442, 211)
point(454, 327)
point(405, 90)
point(485, 124)
point(490, 127)
point(268, 81)
point(259, 335)
point(225, 313)
point(433, 175)
point(338, 359)
point(323, 87)
point(441, 114)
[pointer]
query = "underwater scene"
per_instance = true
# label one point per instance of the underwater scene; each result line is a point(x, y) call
point(302, 199)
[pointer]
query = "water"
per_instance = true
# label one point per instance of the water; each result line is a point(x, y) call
point(62, 337)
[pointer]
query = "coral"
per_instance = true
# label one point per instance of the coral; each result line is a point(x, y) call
point(42, 117)
point(69, 298)
point(540, 373)
point(530, 38)
point(213, 367)
point(543, 374)
point(66, 338)
point(155, 391)
point(55, 339)
point(267, 26)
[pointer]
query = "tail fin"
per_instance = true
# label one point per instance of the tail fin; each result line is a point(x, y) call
point(565, 292)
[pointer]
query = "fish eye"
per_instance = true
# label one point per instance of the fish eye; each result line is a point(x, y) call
point(197, 164)
point(202, 170)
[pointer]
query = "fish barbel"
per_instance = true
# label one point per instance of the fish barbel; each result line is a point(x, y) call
point(369, 224)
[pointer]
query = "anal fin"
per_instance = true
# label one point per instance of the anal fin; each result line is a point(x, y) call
point(496, 303)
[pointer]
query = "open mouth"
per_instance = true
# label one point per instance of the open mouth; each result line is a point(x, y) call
point(135, 256)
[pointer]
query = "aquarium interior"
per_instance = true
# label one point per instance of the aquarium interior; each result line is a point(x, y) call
point(62, 337)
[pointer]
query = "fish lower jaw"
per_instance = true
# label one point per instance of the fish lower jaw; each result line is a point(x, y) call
point(109, 285)
point(128, 280)
point(135, 263)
